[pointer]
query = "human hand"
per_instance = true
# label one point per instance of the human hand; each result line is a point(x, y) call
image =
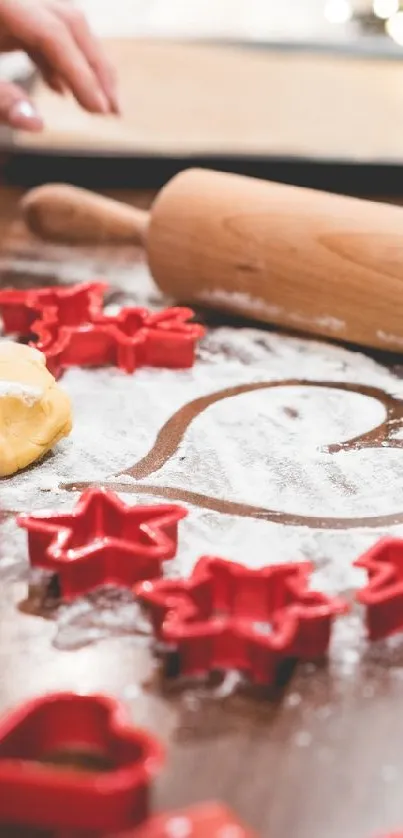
point(57, 38)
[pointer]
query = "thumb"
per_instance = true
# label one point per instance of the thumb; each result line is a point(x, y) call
point(17, 110)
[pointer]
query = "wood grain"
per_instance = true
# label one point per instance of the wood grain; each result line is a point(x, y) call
point(293, 257)
point(321, 760)
point(276, 104)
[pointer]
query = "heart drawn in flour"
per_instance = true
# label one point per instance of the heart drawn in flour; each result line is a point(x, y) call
point(258, 451)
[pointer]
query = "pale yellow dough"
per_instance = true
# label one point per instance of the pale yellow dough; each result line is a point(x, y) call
point(34, 411)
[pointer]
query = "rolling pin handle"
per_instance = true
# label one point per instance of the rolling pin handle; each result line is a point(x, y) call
point(69, 215)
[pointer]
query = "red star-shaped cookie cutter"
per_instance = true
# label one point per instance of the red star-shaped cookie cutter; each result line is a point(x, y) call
point(229, 617)
point(168, 336)
point(103, 541)
point(18, 311)
point(383, 596)
point(84, 345)
point(69, 306)
point(41, 787)
point(131, 339)
point(209, 820)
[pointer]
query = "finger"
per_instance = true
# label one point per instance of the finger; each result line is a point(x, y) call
point(40, 29)
point(53, 81)
point(54, 42)
point(17, 110)
point(92, 51)
point(49, 76)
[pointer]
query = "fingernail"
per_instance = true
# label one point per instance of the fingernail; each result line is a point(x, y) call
point(115, 103)
point(102, 103)
point(23, 115)
point(115, 98)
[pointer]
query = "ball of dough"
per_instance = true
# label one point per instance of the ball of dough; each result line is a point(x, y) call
point(34, 411)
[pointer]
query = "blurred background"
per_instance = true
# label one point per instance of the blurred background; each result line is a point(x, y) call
point(358, 23)
point(287, 89)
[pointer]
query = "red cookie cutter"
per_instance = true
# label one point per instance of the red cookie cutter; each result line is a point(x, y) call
point(18, 311)
point(229, 617)
point(35, 789)
point(209, 820)
point(383, 596)
point(103, 541)
point(85, 345)
point(63, 306)
point(133, 338)
point(168, 338)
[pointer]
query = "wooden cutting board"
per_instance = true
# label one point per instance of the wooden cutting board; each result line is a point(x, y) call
point(197, 99)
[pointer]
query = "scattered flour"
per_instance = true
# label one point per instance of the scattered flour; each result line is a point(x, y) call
point(248, 305)
point(267, 448)
point(388, 338)
point(15, 389)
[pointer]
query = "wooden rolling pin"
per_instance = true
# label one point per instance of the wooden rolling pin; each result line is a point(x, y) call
point(298, 258)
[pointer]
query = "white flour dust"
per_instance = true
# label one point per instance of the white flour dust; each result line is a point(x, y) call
point(255, 306)
point(23, 392)
point(268, 449)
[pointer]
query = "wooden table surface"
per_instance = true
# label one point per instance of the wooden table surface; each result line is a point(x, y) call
point(322, 760)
